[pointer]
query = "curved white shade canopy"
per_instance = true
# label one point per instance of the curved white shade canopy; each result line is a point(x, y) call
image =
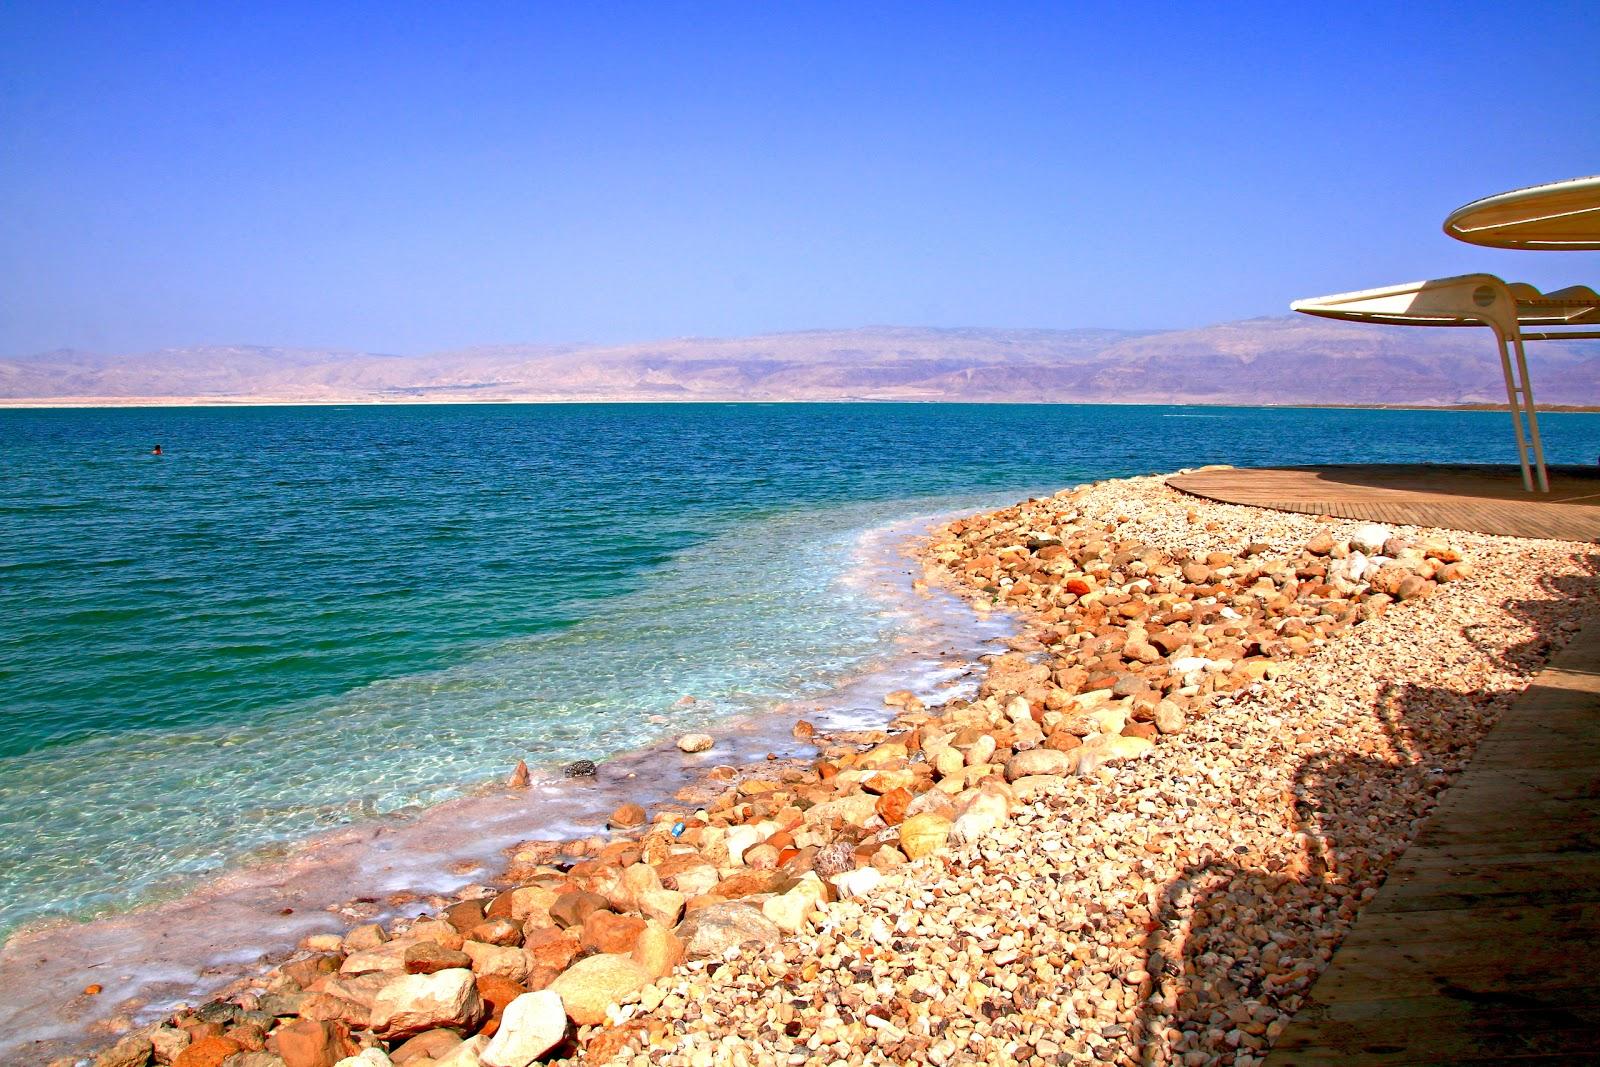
point(1560, 215)
point(1464, 300)
point(1477, 300)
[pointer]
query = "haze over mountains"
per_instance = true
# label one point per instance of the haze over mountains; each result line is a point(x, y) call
point(1288, 360)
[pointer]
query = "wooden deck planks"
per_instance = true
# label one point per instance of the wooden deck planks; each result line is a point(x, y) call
point(1478, 498)
point(1483, 947)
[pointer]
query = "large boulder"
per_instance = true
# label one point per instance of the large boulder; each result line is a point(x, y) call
point(419, 1002)
point(594, 985)
point(531, 1026)
point(714, 929)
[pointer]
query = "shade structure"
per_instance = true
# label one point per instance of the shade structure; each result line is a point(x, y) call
point(1560, 216)
point(1478, 300)
point(1556, 216)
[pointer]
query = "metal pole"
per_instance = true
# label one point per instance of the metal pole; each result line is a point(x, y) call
point(1533, 415)
point(1516, 410)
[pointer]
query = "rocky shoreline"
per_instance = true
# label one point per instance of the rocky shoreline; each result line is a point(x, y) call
point(1140, 842)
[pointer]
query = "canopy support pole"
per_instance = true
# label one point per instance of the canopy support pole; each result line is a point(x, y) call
point(1532, 414)
point(1516, 411)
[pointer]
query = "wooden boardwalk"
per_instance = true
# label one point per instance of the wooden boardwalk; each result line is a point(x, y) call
point(1483, 947)
point(1482, 499)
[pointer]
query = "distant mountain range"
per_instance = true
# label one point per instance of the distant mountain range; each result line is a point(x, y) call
point(1289, 360)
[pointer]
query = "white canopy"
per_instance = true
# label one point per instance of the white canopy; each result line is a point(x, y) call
point(1560, 215)
point(1473, 300)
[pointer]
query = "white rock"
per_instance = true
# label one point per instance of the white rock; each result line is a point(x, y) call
point(465, 1054)
point(696, 742)
point(419, 1002)
point(857, 883)
point(1370, 538)
point(741, 838)
point(369, 1057)
point(531, 1026)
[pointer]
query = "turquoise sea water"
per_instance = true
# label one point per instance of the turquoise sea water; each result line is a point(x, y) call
point(298, 617)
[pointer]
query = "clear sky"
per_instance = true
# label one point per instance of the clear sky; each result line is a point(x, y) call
point(408, 178)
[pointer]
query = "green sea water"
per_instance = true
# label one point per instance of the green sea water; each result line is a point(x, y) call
point(300, 617)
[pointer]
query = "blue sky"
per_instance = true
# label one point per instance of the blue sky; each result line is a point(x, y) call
point(409, 178)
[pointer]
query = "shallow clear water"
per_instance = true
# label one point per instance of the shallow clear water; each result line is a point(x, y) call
point(300, 617)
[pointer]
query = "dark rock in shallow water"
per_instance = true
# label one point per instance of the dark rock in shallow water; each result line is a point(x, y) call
point(580, 769)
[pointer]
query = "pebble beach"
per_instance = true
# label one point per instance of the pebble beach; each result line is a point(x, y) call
point(1138, 843)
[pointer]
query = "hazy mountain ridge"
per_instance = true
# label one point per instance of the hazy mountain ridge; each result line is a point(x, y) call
point(1289, 360)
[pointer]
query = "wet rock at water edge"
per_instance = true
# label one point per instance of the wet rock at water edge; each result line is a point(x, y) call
point(580, 769)
point(695, 742)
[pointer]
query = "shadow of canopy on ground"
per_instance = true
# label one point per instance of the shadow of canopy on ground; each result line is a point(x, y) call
point(1205, 977)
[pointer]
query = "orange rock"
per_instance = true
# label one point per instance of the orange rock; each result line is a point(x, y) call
point(549, 947)
point(433, 1044)
point(627, 816)
point(891, 806)
point(540, 977)
point(606, 931)
point(304, 972)
point(497, 991)
point(497, 932)
point(604, 1045)
point(251, 1037)
point(761, 857)
point(573, 907)
point(306, 1043)
point(1062, 741)
point(519, 776)
point(464, 915)
point(658, 950)
point(746, 883)
point(501, 907)
point(211, 1051)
